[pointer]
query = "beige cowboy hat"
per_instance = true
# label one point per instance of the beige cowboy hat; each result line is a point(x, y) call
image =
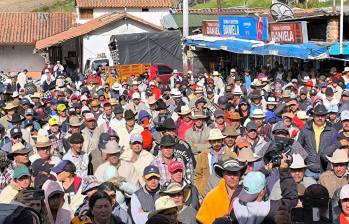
point(215, 134)
point(216, 73)
point(42, 141)
point(185, 110)
point(246, 155)
point(257, 83)
point(297, 162)
point(10, 106)
point(339, 156)
point(175, 93)
point(74, 122)
point(163, 203)
point(231, 131)
point(258, 113)
point(36, 95)
point(198, 115)
point(174, 188)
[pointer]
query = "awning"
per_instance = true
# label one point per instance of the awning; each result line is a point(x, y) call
point(220, 43)
point(335, 49)
point(303, 51)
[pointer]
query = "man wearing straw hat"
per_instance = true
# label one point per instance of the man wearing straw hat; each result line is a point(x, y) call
point(44, 151)
point(180, 194)
point(207, 158)
point(337, 177)
point(9, 109)
point(197, 136)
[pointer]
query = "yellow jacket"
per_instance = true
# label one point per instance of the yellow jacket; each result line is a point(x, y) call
point(215, 204)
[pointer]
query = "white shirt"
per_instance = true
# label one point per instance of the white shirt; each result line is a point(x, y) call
point(80, 162)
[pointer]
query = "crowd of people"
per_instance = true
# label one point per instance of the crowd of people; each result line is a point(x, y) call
point(251, 147)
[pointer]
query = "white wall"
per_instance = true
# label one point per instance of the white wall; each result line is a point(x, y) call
point(18, 58)
point(154, 15)
point(97, 41)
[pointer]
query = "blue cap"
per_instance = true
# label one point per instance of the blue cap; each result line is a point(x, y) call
point(151, 171)
point(54, 101)
point(64, 165)
point(29, 111)
point(254, 183)
point(136, 138)
point(333, 108)
point(25, 101)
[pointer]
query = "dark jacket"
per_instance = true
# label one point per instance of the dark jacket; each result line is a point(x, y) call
point(317, 161)
point(289, 198)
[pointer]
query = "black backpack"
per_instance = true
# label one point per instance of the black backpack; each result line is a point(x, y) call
point(14, 214)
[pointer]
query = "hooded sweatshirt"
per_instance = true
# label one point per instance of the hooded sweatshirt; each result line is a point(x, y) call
point(64, 216)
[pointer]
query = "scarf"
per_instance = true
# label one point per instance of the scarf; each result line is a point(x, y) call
point(252, 212)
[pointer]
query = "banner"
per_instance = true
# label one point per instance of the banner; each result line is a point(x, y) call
point(288, 33)
point(244, 27)
point(210, 27)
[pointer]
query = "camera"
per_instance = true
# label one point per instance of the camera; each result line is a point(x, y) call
point(280, 145)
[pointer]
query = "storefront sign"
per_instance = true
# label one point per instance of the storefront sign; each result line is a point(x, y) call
point(210, 27)
point(244, 27)
point(291, 33)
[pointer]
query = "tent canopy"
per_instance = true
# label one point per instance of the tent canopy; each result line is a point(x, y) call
point(303, 51)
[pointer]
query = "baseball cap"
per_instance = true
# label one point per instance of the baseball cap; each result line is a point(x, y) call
point(64, 165)
point(251, 126)
point(89, 117)
point(53, 121)
point(136, 138)
point(174, 166)
point(254, 183)
point(136, 95)
point(61, 107)
point(29, 111)
point(151, 171)
point(15, 132)
point(41, 165)
point(218, 113)
point(344, 193)
point(20, 171)
point(345, 115)
point(315, 195)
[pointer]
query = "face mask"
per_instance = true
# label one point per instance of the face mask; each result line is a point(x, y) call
point(293, 95)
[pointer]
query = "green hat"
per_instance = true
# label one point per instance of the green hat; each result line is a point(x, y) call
point(20, 171)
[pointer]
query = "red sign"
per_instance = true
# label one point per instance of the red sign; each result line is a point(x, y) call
point(210, 27)
point(293, 32)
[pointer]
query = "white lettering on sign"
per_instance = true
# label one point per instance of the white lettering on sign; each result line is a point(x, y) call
point(282, 36)
point(231, 30)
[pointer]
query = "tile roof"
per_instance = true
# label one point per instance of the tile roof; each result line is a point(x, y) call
point(123, 3)
point(89, 27)
point(25, 28)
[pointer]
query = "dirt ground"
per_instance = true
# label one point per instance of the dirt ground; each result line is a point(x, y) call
point(23, 5)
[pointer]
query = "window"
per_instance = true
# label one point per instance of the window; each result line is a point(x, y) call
point(164, 70)
point(145, 9)
point(86, 13)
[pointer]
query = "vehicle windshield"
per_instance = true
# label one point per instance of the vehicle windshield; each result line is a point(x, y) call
point(99, 63)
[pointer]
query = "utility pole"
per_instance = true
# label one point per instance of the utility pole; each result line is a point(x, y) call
point(341, 28)
point(185, 31)
point(219, 6)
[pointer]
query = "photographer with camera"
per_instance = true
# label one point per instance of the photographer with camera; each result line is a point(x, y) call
point(251, 205)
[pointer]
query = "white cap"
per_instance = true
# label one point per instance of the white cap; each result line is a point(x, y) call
point(345, 115)
point(136, 95)
point(344, 193)
point(47, 71)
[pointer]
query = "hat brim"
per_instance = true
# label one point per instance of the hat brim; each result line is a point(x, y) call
point(151, 214)
point(219, 169)
point(196, 117)
point(16, 121)
point(46, 144)
point(11, 155)
point(186, 192)
point(151, 175)
point(298, 167)
point(131, 117)
point(185, 112)
point(249, 160)
point(246, 197)
point(342, 160)
point(272, 103)
point(217, 138)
